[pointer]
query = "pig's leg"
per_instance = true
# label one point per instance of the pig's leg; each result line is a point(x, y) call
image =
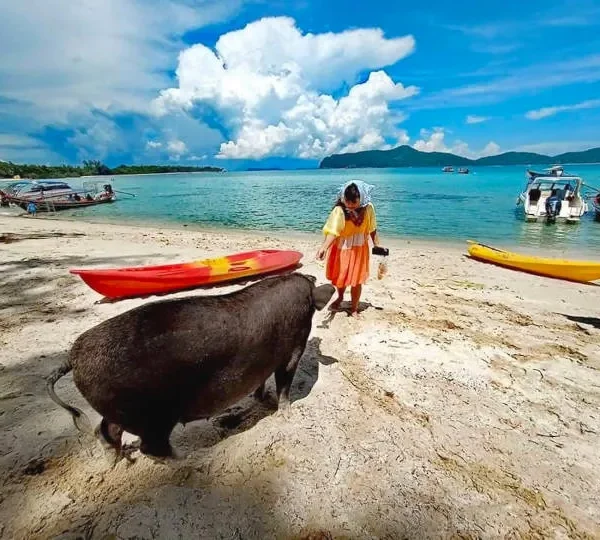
point(259, 393)
point(284, 375)
point(155, 439)
point(110, 437)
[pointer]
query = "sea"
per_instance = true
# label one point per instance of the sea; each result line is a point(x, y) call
point(410, 203)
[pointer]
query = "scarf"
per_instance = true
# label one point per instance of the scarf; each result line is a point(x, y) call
point(364, 189)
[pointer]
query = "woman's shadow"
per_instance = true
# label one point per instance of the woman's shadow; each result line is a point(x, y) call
point(345, 307)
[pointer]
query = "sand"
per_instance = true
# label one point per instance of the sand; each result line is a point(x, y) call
point(465, 403)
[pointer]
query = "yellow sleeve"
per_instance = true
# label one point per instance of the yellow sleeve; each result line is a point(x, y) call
point(371, 219)
point(335, 223)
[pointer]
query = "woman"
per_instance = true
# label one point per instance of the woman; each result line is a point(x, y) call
point(347, 232)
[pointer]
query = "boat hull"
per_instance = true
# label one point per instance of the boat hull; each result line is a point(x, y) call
point(570, 270)
point(568, 214)
point(56, 206)
point(147, 280)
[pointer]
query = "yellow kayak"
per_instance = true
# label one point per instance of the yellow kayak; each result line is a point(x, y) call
point(581, 271)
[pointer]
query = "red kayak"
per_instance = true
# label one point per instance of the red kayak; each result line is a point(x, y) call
point(145, 280)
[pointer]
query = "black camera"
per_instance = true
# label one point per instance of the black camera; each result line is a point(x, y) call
point(378, 250)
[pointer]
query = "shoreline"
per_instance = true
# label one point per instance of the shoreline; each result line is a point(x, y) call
point(388, 240)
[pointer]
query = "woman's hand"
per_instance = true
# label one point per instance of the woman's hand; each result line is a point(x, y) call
point(329, 240)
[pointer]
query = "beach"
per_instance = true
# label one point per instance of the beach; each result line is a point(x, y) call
point(464, 403)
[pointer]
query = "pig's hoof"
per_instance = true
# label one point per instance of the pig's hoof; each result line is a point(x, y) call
point(284, 410)
point(157, 459)
point(128, 449)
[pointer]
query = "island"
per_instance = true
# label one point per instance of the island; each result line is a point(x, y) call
point(92, 168)
point(407, 156)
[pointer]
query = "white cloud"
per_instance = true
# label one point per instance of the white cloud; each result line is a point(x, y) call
point(473, 119)
point(153, 144)
point(545, 112)
point(22, 147)
point(107, 55)
point(176, 149)
point(61, 66)
point(435, 141)
point(268, 84)
point(490, 149)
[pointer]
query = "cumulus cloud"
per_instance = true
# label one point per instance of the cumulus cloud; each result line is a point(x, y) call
point(546, 112)
point(62, 64)
point(474, 119)
point(269, 87)
point(108, 55)
point(435, 141)
point(176, 149)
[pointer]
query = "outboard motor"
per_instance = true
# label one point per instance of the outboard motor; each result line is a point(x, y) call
point(553, 206)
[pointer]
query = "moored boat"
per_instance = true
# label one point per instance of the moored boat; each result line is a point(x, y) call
point(448, 169)
point(555, 171)
point(552, 198)
point(596, 205)
point(52, 195)
point(463, 170)
point(571, 270)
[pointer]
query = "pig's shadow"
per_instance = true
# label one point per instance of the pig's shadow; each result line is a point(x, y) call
point(248, 412)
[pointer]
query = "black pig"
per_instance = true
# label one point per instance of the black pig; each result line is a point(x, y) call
point(190, 358)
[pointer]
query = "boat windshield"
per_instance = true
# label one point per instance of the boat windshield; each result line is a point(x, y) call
point(548, 184)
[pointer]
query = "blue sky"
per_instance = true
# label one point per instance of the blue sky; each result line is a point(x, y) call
point(241, 83)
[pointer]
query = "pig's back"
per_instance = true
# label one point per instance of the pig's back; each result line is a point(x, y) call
point(172, 341)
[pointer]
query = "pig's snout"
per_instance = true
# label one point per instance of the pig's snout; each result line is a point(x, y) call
point(322, 295)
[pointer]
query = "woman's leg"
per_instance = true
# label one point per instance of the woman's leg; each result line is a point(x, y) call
point(355, 292)
point(340, 298)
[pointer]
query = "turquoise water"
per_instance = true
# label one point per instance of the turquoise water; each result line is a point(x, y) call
point(416, 203)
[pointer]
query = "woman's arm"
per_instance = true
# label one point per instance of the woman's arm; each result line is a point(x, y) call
point(375, 238)
point(329, 240)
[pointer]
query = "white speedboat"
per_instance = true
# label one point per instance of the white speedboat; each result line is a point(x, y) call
point(552, 198)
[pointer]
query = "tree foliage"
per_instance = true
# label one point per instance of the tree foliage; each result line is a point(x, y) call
point(90, 168)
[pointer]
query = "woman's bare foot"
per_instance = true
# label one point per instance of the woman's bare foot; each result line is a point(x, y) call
point(354, 312)
point(335, 306)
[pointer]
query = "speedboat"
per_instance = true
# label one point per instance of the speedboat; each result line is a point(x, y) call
point(552, 198)
point(556, 170)
point(463, 170)
point(448, 169)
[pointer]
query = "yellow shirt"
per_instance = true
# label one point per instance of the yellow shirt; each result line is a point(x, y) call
point(337, 225)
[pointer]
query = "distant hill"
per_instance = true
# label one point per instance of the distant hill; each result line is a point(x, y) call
point(406, 156)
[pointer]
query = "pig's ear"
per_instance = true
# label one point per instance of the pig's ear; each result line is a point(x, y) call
point(322, 295)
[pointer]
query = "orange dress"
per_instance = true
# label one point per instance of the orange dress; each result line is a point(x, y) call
point(348, 258)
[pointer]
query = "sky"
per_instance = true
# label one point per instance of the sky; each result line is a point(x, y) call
point(257, 83)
